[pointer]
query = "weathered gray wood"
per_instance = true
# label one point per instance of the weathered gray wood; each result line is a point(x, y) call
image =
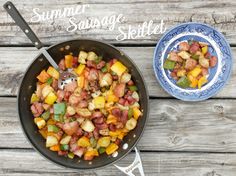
point(219, 14)
point(172, 126)
point(12, 71)
point(27, 162)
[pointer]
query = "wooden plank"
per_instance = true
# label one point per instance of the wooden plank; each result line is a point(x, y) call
point(27, 162)
point(172, 126)
point(217, 13)
point(11, 72)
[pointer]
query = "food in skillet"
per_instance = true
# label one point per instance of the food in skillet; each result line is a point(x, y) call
point(91, 115)
point(190, 63)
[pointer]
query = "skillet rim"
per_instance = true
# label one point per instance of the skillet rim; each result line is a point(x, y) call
point(35, 147)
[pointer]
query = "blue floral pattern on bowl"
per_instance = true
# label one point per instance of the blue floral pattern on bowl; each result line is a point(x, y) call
point(218, 47)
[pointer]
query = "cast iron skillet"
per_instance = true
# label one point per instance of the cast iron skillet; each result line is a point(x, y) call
point(28, 86)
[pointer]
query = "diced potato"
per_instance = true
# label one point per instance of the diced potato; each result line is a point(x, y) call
point(204, 62)
point(91, 106)
point(84, 112)
point(92, 56)
point(118, 68)
point(111, 119)
point(104, 132)
point(131, 124)
point(87, 126)
point(99, 102)
point(65, 140)
point(83, 142)
point(51, 141)
point(53, 72)
point(80, 81)
point(34, 98)
point(96, 94)
point(106, 80)
point(79, 70)
point(135, 95)
point(104, 141)
point(70, 110)
point(82, 57)
point(68, 61)
point(43, 76)
point(40, 122)
point(46, 90)
point(181, 73)
point(184, 54)
point(195, 72)
point(136, 104)
point(136, 113)
point(203, 80)
point(111, 148)
point(125, 77)
point(204, 50)
point(51, 98)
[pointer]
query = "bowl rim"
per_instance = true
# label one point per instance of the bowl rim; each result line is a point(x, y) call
point(185, 98)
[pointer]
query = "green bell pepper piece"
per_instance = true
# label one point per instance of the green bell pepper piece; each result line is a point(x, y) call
point(133, 88)
point(183, 82)
point(46, 115)
point(101, 150)
point(195, 56)
point(49, 81)
point(53, 128)
point(71, 155)
point(59, 108)
point(130, 113)
point(169, 65)
point(93, 142)
point(104, 69)
point(64, 147)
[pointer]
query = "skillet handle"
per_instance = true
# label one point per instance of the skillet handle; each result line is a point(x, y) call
point(20, 21)
point(137, 163)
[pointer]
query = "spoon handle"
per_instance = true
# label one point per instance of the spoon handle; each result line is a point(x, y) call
point(20, 21)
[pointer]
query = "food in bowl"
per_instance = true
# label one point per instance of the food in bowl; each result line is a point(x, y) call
point(189, 65)
point(92, 114)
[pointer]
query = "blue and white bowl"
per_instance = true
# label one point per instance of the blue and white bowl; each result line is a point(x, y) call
point(218, 47)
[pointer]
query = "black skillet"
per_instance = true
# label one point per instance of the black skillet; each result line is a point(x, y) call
point(28, 86)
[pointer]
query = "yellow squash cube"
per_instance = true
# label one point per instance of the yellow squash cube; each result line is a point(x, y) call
point(136, 113)
point(111, 148)
point(34, 98)
point(99, 102)
point(53, 72)
point(195, 72)
point(118, 68)
point(83, 142)
point(40, 122)
point(80, 81)
point(79, 70)
point(203, 80)
point(51, 98)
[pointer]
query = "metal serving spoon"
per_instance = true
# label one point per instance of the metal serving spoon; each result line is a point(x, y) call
point(65, 76)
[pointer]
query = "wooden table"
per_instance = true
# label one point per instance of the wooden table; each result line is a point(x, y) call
point(181, 139)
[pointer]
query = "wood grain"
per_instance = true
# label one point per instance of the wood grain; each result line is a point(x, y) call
point(12, 71)
point(219, 14)
point(173, 125)
point(28, 162)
